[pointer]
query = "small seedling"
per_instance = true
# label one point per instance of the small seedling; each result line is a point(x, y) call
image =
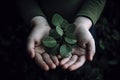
point(61, 38)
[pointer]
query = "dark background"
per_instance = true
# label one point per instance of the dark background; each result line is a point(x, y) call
point(16, 65)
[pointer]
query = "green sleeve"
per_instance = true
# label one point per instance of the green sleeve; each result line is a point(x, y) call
point(92, 9)
point(29, 9)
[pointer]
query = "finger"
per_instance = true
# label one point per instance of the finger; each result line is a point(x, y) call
point(48, 61)
point(78, 63)
point(39, 49)
point(59, 56)
point(64, 60)
point(39, 60)
point(30, 48)
point(55, 59)
point(90, 50)
point(79, 51)
point(72, 60)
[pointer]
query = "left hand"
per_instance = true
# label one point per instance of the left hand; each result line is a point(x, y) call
point(85, 50)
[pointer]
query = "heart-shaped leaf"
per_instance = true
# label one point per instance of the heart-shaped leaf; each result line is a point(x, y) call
point(59, 31)
point(49, 42)
point(57, 20)
point(65, 51)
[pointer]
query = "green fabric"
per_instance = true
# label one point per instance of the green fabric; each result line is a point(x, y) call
point(67, 8)
point(92, 9)
point(28, 9)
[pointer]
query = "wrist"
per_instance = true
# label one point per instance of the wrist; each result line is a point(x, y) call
point(83, 22)
point(39, 20)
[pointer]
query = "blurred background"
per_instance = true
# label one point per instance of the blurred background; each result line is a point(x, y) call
point(16, 65)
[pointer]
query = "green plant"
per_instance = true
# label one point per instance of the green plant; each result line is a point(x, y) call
point(61, 38)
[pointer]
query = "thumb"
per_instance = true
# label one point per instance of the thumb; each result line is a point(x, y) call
point(30, 48)
point(90, 50)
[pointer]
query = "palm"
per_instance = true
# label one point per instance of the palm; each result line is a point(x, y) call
point(85, 50)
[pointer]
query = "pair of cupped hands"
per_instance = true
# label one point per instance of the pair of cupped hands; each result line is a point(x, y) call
point(79, 55)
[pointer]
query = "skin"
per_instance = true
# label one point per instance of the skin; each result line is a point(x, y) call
point(85, 50)
point(79, 55)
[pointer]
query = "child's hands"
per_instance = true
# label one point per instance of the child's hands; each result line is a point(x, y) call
point(79, 54)
point(35, 49)
point(86, 48)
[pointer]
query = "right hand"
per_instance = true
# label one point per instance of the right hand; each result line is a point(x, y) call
point(35, 49)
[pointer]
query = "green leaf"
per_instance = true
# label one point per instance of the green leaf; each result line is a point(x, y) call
point(70, 29)
point(70, 40)
point(71, 35)
point(53, 33)
point(65, 51)
point(49, 42)
point(72, 45)
point(57, 20)
point(64, 24)
point(59, 31)
point(55, 50)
